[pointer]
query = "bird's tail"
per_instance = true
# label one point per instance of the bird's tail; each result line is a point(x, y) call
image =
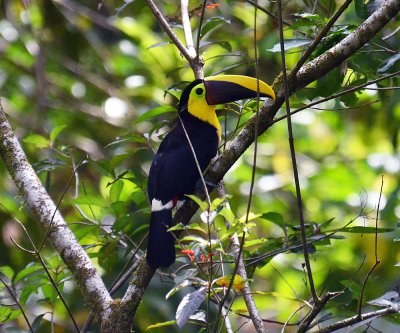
point(161, 243)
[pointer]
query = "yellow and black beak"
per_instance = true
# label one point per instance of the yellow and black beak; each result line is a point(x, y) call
point(222, 89)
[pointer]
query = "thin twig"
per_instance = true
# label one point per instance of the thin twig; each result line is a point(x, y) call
point(237, 247)
point(256, 318)
point(293, 157)
point(164, 24)
point(317, 308)
point(36, 253)
point(10, 291)
point(203, 9)
point(391, 34)
point(121, 279)
point(247, 294)
point(50, 226)
point(195, 62)
point(377, 261)
point(187, 29)
point(203, 182)
point(256, 5)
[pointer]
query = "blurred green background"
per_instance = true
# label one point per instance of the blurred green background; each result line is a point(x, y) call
point(94, 84)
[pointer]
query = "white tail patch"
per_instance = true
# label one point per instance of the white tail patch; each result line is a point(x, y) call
point(156, 205)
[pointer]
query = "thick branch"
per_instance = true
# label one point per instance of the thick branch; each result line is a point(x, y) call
point(348, 322)
point(307, 74)
point(46, 212)
point(247, 294)
point(349, 45)
point(123, 311)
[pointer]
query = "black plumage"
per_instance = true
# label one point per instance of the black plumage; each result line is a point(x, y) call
point(174, 173)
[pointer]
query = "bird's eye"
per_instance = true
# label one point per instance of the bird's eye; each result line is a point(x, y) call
point(199, 91)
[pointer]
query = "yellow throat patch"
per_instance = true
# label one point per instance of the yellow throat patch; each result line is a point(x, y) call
point(198, 107)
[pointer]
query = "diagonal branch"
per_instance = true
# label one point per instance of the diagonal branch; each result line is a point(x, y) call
point(165, 25)
point(307, 74)
point(45, 211)
point(348, 46)
point(196, 63)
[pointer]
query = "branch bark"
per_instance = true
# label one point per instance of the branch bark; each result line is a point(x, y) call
point(247, 294)
point(57, 230)
point(306, 74)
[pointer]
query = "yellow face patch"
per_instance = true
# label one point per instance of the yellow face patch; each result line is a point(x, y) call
point(198, 107)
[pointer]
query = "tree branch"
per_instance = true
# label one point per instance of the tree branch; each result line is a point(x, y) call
point(348, 46)
point(196, 63)
point(307, 74)
point(187, 29)
point(356, 319)
point(247, 295)
point(123, 310)
point(44, 209)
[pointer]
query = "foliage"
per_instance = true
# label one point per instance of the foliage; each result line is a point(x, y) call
point(91, 88)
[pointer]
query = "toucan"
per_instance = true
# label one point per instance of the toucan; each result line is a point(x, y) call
point(174, 172)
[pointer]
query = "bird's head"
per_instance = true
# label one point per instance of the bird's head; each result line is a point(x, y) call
point(222, 89)
point(201, 96)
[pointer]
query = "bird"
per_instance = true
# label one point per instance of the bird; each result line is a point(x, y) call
point(174, 172)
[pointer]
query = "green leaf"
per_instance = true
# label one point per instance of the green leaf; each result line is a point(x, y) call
point(179, 226)
point(7, 271)
point(228, 215)
point(291, 44)
point(49, 164)
point(329, 83)
point(253, 242)
point(327, 223)
point(121, 223)
point(134, 138)
point(275, 218)
point(55, 132)
point(361, 9)
point(49, 292)
point(306, 20)
point(159, 45)
point(180, 286)
point(84, 230)
point(7, 314)
point(32, 268)
point(117, 160)
point(37, 140)
point(36, 323)
point(217, 204)
point(212, 23)
point(164, 324)
point(189, 304)
point(28, 290)
point(89, 200)
point(352, 285)
point(202, 204)
point(155, 112)
point(365, 230)
point(224, 44)
point(115, 190)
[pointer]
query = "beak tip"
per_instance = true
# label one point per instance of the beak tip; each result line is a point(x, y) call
point(222, 89)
